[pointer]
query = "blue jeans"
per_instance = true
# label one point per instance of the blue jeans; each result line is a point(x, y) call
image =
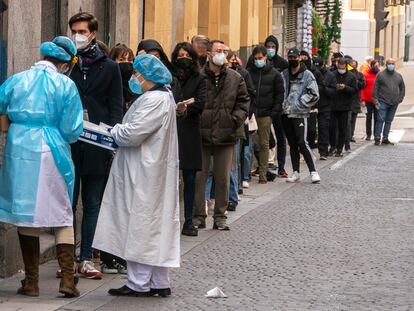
point(234, 174)
point(93, 187)
point(385, 114)
point(210, 185)
point(247, 157)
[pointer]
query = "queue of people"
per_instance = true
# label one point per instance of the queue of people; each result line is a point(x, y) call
point(199, 112)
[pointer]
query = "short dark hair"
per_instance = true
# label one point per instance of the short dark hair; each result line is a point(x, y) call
point(373, 62)
point(189, 48)
point(120, 50)
point(85, 17)
point(259, 49)
point(212, 42)
point(342, 61)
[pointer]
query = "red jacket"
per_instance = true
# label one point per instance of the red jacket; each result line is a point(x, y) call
point(366, 93)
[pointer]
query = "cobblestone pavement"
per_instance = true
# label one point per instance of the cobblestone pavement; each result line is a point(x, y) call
point(346, 244)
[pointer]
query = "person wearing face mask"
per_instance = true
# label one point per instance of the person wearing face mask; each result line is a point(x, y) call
point(153, 47)
point(366, 98)
point(99, 83)
point(225, 110)
point(388, 93)
point(301, 94)
point(323, 107)
point(272, 46)
point(356, 104)
point(124, 56)
point(199, 43)
point(268, 83)
point(242, 152)
point(312, 120)
point(193, 86)
point(140, 218)
point(37, 176)
point(346, 87)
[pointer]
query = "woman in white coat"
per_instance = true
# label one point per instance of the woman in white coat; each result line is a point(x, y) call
point(139, 216)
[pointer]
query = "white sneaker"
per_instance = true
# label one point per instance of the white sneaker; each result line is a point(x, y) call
point(245, 184)
point(294, 178)
point(316, 179)
point(88, 270)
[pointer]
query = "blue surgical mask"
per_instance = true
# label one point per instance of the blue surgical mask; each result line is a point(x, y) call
point(134, 85)
point(271, 53)
point(391, 67)
point(260, 63)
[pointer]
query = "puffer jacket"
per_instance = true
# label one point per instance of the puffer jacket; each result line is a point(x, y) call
point(268, 83)
point(366, 93)
point(301, 93)
point(226, 107)
point(343, 98)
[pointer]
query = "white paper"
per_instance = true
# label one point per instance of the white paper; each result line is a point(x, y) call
point(216, 292)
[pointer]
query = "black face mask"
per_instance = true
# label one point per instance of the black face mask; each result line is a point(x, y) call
point(234, 65)
point(293, 63)
point(126, 71)
point(184, 63)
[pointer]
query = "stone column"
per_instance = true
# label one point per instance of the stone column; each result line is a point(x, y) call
point(23, 49)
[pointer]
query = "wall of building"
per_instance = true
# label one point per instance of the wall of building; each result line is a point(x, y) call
point(358, 32)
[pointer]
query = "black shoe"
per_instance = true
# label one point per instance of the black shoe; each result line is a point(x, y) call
point(331, 152)
point(231, 207)
point(221, 227)
point(189, 229)
point(387, 142)
point(348, 149)
point(126, 291)
point(368, 138)
point(240, 191)
point(270, 176)
point(353, 140)
point(162, 292)
point(338, 154)
point(377, 143)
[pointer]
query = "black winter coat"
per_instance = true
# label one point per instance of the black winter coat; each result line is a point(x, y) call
point(188, 125)
point(277, 61)
point(343, 98)
point(270, 91)
point(250, 88)
point(100, 90)
point(327, 95)
point(356, 100)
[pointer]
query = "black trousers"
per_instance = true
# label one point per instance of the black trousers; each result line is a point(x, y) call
point(311, 137)
point(352, 117)
point(189, 179)
point(323, 132)
point(280, 142)
point(371, 111)
point(338, 129)
point(296, 133)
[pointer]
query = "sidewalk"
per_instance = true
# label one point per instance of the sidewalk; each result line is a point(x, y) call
point(94, 292)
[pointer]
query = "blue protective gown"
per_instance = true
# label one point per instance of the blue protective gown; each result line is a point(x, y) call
point(43, 105)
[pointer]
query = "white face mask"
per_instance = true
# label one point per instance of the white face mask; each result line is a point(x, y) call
point(81, 41)
point(341, 71)
point(219, 59)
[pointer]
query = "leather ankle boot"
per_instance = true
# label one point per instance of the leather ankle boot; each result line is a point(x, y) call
point(64, 253)
point(30, 253)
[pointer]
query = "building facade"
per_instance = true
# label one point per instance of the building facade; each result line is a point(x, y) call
point(358, 30)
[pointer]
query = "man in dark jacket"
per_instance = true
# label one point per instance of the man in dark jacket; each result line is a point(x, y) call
point(312, 120)
point(301, 94)
point(99, 83)
point(324, 107)
point(225, 110)
point(356, 105)
point(268, 83)
point(346, 87)
point(272, 46)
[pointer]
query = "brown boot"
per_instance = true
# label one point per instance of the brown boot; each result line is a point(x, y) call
point(65, 257)
point(30, 253)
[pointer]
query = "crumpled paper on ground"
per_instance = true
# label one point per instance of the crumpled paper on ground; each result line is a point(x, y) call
point(216, 293)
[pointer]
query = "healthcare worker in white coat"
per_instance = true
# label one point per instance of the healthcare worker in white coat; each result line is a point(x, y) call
point(139, 216)
point(37, 176)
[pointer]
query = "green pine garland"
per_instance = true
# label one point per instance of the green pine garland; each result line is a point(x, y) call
point(327, 29)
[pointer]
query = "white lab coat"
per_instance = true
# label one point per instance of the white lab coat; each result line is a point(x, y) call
point(139, 217)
